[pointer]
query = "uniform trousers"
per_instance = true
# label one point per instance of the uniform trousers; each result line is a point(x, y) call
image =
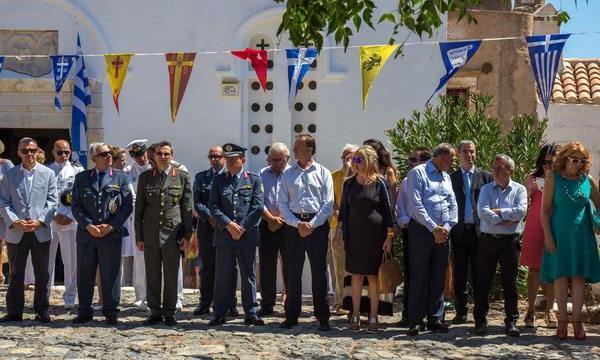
point(225, 260)
point(66, 239)
point(162, 264)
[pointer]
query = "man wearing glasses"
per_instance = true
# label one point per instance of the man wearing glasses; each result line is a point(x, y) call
point(205, 232)
point(64, 227)
point(28, 201)
point(102, 202)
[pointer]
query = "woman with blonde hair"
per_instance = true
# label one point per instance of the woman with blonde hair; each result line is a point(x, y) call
point(5, 164)
point(365, 223)
point(571, 248)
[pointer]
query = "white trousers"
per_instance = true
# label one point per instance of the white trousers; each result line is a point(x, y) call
point(68, 253)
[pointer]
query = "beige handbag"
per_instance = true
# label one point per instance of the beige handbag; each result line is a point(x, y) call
point(389, 276)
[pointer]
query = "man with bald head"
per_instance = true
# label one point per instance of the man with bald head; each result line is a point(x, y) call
point(64, 227)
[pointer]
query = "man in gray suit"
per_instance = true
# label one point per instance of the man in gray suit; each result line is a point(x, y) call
point(28, 201)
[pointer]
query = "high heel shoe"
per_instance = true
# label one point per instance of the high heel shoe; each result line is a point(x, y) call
point(578, 330)
point(355, 323)
point(373, 328)
point(561, 330)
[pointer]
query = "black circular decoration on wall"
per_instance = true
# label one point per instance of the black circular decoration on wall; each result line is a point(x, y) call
point(312, 106)
point(269, 107)
point(298, 106)
point(312, 128)
point(298, 128)
point(312, 84)
point(269, 128)
point(255, 150)
point(269, 85)
point(314, 64)
point(300, 85)
point(255, 128)
point(267, 148)
point(255, 85)
point(255, 107)
point(270, 64)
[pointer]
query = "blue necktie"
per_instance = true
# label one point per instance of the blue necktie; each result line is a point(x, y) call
point(100, 178)
point(468, 198)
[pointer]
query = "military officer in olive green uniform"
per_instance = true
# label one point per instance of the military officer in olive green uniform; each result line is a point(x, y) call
point(163, 219)
point(236, 205)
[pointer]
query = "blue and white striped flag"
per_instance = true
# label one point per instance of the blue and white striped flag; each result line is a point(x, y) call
point(298, 62)
point(545, 52)
point(1, 62)
point(82, 97)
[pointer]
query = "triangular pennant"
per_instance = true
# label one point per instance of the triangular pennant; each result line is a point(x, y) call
point(1, 62)
point(259, 61)
point(372, 59)
point(455, 54)
point(545, 54)
point(180, 68)
point(298, 62)
point(61, 65)
point(116, 70)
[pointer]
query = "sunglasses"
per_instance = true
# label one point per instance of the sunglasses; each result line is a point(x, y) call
point(160, 153)
point(104, 154)
point(62, 152)
point(357, 160)
point(547, 162)
point(215, 157)
point(29, 151)
point(578, 161)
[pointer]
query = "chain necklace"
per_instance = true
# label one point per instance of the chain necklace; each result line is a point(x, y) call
point(578, 193)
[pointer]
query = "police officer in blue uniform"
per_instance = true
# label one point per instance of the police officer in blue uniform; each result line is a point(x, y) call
point(236, 204)
point(102, 202)
point(205, 233)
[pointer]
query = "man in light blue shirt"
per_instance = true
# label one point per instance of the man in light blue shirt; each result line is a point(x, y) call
point(306, 203)
point(501, 206)
point(431, 204)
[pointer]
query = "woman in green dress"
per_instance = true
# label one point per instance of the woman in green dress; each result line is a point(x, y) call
point(571, 247)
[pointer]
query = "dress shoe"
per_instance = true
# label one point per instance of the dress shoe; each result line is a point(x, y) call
point(152, 320)
point(481, 327)
point(112, 320)
point(170, 321)
point(403, 322)
point(254, 320)
point(324, 326)
point(233, 312)
point(81, 319)
point(414, 330)
point(511, 329)
point(288, 324)
point(11, 317)
point(437, 327)
point(459, 319)
point(265, 311)
point(42, 317)
point(217, 320)
point(201, 310)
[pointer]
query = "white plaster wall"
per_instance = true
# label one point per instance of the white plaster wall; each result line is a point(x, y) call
point(205, 118)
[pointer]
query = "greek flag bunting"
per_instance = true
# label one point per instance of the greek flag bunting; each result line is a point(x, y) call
point(298, 61)
point(82, 97)
point(545, 53)
point(1, 62)
point(61, 65)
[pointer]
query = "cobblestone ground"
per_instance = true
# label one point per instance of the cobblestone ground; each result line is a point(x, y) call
point(192, 338)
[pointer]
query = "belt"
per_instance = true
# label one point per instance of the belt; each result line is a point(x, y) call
point(469, 226)
point(500, 236)
point(305, 216)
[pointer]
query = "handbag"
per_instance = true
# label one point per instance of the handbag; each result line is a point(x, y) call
point(389, 276)
point(594, 216)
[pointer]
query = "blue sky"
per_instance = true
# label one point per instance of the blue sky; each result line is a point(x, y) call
point(585, 17)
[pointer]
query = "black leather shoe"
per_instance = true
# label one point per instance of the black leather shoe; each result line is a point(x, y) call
point(152, 320)
point(324, 326)
point(217, 320)
point(42, 317)
point(481, 328)
point(81, 319)
point(403, 322)
point(459, 319)
point(414, 330)
point(11, 317)
point(437, 327)
point(170, 321)
point(233, 312)
point(288, 324)
point(254, 320)
point(511, 329)
point(201, 310)
point(112, 320)
point(265, 311)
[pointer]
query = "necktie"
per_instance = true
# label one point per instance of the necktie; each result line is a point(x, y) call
point(163, 177)
point(100, 178)
point(468, 197)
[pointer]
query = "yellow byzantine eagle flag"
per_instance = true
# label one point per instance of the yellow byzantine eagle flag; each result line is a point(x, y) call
point(180, 68)
point(116, 70)
point(372, 59)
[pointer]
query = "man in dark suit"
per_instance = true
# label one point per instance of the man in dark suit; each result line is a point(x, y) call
point(28, 201)
point(236, 204)
point(205, 232)
point(466, 183)
point(163, 210)
point(102, 202)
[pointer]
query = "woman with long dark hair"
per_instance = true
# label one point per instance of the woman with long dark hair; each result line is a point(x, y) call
point(385, 166)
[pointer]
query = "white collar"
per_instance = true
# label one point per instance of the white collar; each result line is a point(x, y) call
point(471, 171)
point(29, 171)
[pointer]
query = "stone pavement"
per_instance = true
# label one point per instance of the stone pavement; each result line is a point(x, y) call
point(192, 338)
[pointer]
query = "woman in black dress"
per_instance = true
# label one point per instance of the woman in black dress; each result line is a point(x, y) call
point(365, 223)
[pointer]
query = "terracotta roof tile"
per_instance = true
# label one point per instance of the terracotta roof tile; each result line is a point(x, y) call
point(578, 82)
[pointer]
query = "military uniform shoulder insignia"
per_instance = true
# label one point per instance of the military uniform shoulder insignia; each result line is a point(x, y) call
point(114, 186)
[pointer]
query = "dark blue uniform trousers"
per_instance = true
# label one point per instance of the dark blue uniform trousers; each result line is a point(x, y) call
point(105, 253)
point(225, 276)
point(428, 265)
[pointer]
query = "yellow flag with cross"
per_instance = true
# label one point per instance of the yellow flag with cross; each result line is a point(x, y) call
point(116, 70)
point(372, 59)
